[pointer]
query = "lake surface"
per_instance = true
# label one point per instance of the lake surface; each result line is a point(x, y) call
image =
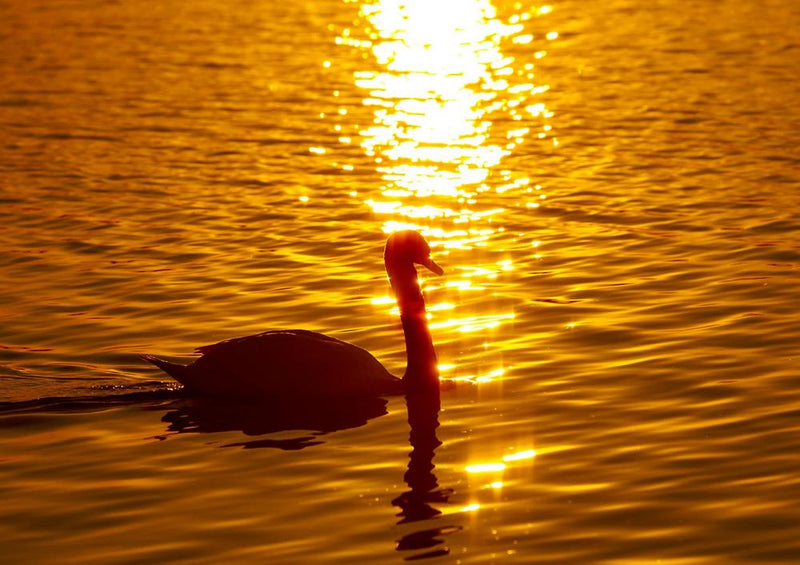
point(612, 188)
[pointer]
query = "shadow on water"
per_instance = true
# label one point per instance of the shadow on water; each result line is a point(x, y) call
point(416, 504)
point(318, 416)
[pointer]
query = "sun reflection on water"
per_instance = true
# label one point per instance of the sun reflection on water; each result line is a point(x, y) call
point(442, 83)
point(490, 475)
point(451, 90)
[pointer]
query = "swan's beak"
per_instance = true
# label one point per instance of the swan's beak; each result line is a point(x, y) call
point(432, 266)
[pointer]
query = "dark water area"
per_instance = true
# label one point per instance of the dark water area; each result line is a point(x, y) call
point(613, 190)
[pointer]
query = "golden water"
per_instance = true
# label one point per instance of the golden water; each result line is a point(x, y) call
point(611, 187)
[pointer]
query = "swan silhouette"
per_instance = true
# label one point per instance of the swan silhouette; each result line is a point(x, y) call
point(287, 363)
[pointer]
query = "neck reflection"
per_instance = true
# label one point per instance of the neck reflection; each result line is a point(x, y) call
point(423, 417)
point(416, 504)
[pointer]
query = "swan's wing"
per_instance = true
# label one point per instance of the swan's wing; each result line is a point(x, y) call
point(232, 343)
point(291, 362)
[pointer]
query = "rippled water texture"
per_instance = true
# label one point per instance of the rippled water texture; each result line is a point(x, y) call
point(611, 187)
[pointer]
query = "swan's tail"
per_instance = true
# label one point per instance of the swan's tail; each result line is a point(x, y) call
point(178, 372)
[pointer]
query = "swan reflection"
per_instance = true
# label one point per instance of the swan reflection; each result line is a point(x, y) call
point(313, 417)
point(416, 504)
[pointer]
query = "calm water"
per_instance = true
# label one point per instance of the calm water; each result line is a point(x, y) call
point(612, 188)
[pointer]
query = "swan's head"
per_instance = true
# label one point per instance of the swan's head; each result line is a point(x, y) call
point(404, 249)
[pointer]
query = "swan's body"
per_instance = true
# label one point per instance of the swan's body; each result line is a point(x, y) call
point(283, 363)
point(303, 363)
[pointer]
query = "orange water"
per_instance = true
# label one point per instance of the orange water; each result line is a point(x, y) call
point(612, 189)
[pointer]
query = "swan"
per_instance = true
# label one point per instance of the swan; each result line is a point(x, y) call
point(291, 363)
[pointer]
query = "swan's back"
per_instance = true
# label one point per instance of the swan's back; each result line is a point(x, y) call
point(286, 363)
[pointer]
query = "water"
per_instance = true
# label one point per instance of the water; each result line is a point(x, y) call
point(612, 189)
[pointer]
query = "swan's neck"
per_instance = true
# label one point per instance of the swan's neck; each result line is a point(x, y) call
point(422, 370)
